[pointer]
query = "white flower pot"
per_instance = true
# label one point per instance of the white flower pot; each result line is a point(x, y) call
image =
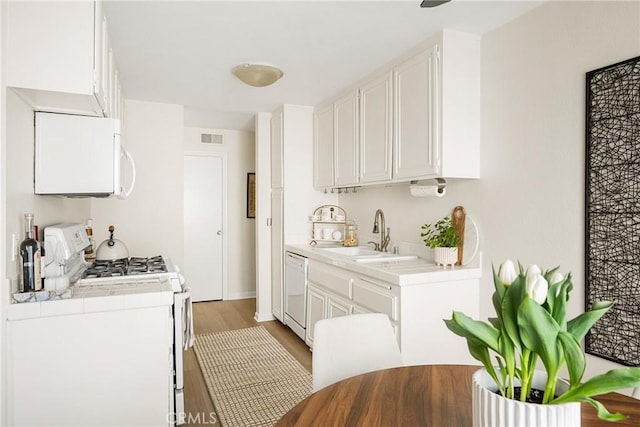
point(491, 409)
point(445, 256)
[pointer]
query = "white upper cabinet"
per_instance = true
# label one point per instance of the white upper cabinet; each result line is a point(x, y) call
point(415, 148)
point(376, 130)
point(458, 98)
point(58, 56)
point(345, 124)
point(417, 117)
point(323, 147)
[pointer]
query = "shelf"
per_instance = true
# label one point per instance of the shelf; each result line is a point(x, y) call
point(331, 224)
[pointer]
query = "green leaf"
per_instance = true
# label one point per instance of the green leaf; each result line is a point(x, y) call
point(442, 234)
point(468, 328)
point(495, 322)
point(552, 293)
point(603, 413)
point(455, 328)
point(498, 295)
point(497, 283)
point(480, 352)
point(507, 351)
point(613, 380)
point(539, 332)
point(576, 362)
point(510, 304)
point(580, 325)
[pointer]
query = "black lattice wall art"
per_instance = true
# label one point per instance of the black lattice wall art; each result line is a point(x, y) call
point(613, 209)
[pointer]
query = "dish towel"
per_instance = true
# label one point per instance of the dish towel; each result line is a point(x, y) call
point(188, 334)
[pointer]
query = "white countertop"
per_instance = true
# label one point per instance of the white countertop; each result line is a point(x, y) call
point(96, 298)
point(400, 272)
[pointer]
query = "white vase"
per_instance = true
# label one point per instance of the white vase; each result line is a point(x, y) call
point(491, 409)
point(445, 256)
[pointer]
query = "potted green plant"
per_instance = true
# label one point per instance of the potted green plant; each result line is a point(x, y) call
point(443, 238)
point(531, 326)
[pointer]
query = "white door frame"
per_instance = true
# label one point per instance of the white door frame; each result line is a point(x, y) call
point(225, 202)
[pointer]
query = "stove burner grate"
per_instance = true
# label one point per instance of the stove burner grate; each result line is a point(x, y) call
point(125, 267)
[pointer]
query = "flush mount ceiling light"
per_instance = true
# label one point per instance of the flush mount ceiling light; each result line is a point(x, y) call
point(433, 3)
point(257, 75)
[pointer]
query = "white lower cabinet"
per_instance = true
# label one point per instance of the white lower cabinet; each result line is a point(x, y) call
point(103, 368)
point(316, 310)
point(416, 312)
point(328, 295)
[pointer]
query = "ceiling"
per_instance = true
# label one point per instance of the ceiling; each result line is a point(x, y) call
point(182, 52)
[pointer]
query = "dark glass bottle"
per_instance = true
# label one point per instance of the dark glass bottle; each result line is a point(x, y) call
point(30, 278)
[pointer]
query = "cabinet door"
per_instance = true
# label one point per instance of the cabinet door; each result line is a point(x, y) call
point(323, 147)
point(345, 124)
point(337, 308)
point(111, 95)
point(359, 310)
point(58, 37)
point(375, 130)
point(100, 48)
point(277, 254)
point(416, 118)
point(76, 384)
point(277, 154)
point(316, 310)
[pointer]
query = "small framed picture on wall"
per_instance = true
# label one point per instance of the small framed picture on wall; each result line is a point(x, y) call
point(251, 195)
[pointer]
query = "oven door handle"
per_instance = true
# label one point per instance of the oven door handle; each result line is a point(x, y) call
point(186, 322)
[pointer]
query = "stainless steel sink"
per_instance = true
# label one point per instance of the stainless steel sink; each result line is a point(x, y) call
point(365, 254)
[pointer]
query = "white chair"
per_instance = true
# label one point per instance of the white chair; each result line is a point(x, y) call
point(351, 345)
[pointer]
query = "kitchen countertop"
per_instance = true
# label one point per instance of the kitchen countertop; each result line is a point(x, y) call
point(96, 298)
point(398, 272)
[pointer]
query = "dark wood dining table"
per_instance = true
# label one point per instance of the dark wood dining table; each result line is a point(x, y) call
point(426, 395)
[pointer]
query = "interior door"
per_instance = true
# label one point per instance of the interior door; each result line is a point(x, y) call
point(204, 208)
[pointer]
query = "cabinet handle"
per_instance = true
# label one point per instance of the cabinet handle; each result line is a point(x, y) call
point(387, 287)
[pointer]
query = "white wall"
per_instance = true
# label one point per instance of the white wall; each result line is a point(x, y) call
point(529, 202)
point(241, 239)
point(150, 221)
point(19, 195)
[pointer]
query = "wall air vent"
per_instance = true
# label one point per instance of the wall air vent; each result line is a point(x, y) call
point(210, 138)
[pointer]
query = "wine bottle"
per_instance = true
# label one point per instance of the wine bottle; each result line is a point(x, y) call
point(30, 278)
point(89, 253)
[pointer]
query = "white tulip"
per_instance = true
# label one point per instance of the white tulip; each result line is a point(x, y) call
point(537, 288)
point(507, 272)
point(533, 270)
point(556, 277)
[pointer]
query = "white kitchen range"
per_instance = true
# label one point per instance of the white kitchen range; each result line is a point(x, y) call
point(106, 346)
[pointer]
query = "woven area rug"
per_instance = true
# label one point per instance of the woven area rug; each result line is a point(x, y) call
point(251, 378)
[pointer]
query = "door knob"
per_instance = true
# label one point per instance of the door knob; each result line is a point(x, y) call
point(219, 233)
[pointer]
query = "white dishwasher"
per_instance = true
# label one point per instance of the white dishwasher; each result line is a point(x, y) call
point(295, 293)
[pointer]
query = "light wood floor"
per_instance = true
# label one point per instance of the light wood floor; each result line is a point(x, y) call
point(218, 316)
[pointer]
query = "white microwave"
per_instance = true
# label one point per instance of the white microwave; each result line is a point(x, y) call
point(80, 156)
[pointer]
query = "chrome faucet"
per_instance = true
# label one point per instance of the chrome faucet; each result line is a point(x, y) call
point(384, 235)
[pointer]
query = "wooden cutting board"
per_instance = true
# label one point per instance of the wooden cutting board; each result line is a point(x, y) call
point(458, 218)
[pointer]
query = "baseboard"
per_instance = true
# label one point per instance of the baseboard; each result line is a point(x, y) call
point(263, 317)
point(242, 295)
